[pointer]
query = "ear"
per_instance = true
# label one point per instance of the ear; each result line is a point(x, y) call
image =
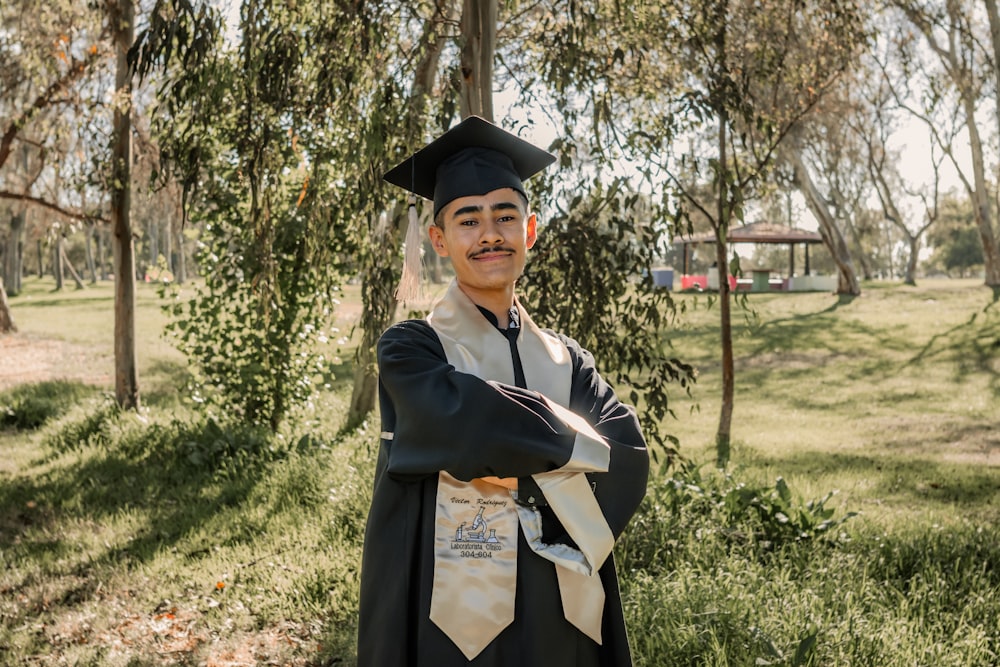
point(532, 229)
point(436, 235)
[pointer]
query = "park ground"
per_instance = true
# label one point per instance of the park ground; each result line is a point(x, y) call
point(118, 551)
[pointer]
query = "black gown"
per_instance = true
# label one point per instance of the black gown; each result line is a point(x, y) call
point(435, 418)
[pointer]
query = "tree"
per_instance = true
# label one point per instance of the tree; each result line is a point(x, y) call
point(954, 35)
point(887, 184)
point(847, 280)
point(955, 238)
point(121, 16)
point(559, 276)
point(24, 178)
point(590, 274)
point(732, 78)
point(6, 320)
point(61, 54)
point(51, 65)
point(382, 240)
point(282, 176)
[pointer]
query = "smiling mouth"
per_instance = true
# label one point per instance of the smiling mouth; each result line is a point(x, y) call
point(491, 252)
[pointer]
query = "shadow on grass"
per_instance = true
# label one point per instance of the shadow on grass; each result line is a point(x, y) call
point(915, 480)
point(148, 478)
point(339, 375)
point(168, 383)
point(842, 300)
point(824, 337)
point(974, 346)
point(67, 302)
point(29, 406)
point(796, 345)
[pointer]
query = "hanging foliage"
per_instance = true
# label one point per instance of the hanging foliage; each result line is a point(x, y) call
point(260, 135)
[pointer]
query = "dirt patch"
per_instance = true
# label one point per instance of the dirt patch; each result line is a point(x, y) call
point(25, 358)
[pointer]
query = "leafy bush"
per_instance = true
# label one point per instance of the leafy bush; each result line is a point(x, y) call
point(29, 406)
point(723, 514)
point(780, 516)
point(89, 424)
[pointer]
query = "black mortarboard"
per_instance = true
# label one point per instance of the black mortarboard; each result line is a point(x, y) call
point(472, 158)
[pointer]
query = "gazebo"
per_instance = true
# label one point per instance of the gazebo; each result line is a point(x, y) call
point(757, 232)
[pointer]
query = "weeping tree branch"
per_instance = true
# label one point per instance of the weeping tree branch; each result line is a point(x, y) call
point(78, 67)
point(43, 203)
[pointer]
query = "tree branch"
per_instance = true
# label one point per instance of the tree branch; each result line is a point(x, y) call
point(76, 70)
point(38, 201)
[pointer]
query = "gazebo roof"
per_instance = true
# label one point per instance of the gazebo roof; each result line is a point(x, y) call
point(756, 232)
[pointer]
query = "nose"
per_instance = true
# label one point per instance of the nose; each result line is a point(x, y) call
point(490, 234)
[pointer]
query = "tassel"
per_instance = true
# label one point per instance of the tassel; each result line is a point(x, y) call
point(410, 282)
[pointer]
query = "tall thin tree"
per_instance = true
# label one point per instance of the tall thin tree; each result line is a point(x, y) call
point(121, 14)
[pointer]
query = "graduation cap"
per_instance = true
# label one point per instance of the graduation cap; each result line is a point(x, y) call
point(473, 158)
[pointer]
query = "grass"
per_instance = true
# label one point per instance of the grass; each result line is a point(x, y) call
point(165, 538)
point(891, 398)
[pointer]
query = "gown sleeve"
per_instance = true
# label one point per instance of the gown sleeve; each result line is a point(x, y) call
point(453, 421)
point(443, 419)
point(621, 489)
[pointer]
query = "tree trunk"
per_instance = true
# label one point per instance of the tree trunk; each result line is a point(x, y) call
point(981, 195)
point(377, 288)
point(126, 375)
point(180, 261)
point(6, 320)
point(13, 256)
point(894, 216)
point(844, 212)
point(102, 260)
point(379, 301)
point(153, 240)
point(88, 246)
point(910, 278)
point(88, 241)
point(64, 258)
point(41, 258)
point(57, 265)
point(847, 279)
point(852, 230)
point(967, 85)
point(991, 11)
point(723, 435)
point(18, 272)
point(479, 36)
point(179, 264)
point(168, 246)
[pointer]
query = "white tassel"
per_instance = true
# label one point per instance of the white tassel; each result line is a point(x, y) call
point(410, 282)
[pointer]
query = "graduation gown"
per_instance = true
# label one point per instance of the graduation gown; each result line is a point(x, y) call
point(434, 419)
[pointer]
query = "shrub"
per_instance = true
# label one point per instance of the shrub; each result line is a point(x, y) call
point(88, 424)
point(686, 515)
point(29, 406)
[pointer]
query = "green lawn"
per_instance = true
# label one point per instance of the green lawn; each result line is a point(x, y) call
point(893, 398)
point(168, 538)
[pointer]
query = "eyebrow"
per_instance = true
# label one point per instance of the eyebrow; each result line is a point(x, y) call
point(499, 206)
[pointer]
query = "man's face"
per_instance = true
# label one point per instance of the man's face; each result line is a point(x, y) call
point(487, 238)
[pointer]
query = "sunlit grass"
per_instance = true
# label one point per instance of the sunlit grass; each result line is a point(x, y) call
point(892, 398)
point(165, 538)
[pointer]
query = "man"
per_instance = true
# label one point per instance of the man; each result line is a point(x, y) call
point(507, 466)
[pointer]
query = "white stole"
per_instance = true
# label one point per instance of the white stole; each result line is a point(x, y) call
point(474, 571)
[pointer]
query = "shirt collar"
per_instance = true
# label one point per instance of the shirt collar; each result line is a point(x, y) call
point(512, 314)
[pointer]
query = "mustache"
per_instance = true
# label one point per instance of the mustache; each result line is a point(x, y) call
point(486, 251)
